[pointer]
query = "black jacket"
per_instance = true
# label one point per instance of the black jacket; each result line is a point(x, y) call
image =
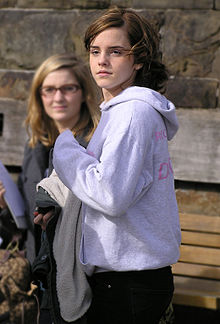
point(44, 265)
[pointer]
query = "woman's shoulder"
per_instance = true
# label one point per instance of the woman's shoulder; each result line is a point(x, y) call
point(139, 109)
point(37, 155)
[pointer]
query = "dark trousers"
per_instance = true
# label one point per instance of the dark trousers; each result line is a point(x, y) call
point(133, 297)
point(45, 317)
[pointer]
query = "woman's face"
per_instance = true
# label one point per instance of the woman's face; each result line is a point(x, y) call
point(111, 67)
point(62, 98)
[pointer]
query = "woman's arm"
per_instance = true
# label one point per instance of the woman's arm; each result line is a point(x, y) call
point(115, 181)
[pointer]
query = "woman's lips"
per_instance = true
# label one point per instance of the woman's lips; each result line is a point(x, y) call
point(103, 73)
point(59, 107)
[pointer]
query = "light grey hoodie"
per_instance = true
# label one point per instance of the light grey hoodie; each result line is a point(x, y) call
point(125, 180)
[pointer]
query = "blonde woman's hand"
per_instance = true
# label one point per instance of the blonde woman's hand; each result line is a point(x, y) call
point(2, 199)
point(43, 219)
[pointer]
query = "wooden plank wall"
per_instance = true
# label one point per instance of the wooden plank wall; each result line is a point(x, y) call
point(195, 150)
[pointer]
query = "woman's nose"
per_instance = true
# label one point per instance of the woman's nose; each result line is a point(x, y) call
point(58, 95)
point(103, 59)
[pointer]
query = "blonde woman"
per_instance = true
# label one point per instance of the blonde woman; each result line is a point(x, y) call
point(62, 96)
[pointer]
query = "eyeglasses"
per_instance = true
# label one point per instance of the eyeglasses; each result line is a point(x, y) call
point(65, 90)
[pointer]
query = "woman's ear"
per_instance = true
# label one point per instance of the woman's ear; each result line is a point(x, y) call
point(138, 66)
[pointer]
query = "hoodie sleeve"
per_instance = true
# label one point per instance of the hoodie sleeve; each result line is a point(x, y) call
point(115, 181)
point(54, 188)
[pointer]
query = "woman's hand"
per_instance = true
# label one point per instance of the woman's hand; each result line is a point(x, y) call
point(2, 200)
point(43, 219)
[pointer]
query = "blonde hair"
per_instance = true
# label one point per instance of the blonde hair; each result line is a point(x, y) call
point(39, 126)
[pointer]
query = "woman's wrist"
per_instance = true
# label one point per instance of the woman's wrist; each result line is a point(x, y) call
point(3, 206)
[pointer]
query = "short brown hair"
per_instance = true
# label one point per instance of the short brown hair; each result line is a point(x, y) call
point(144, 41)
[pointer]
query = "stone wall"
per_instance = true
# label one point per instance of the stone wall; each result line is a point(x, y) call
point(32, 30)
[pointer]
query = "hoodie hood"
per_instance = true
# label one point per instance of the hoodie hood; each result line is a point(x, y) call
point(153, 98)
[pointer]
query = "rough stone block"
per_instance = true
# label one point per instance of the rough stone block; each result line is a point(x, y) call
point(190, 42)
point(15, 84)
point(13, 135)
point(156, 17)
point(24, 45)
point(64, 4)
point(193, 92)
point(7, 3)
point(102, 4)
point(123, 3)
point(216, 64)
point(173, 4)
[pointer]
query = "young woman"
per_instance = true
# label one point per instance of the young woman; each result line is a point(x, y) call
point(62, 96)
point(131, 232)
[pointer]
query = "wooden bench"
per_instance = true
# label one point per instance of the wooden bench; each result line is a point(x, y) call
point(197, 274)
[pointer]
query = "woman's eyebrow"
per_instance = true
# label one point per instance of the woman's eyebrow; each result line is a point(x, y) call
point(110, 47)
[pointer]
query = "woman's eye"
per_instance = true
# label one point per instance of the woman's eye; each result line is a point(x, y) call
point(49, 90)
point(115, 52)
point(94, 52)
point(69, 88)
